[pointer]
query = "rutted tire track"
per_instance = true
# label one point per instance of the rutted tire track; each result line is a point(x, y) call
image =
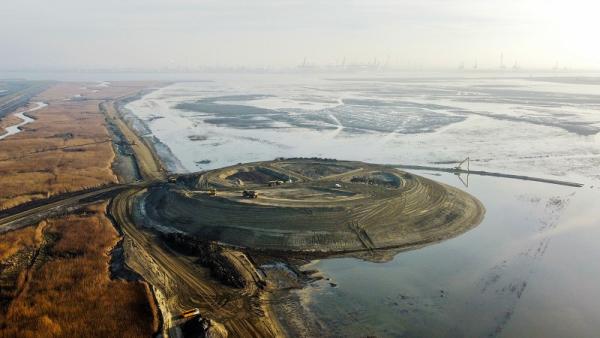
point(368, 207)
point(182, 284)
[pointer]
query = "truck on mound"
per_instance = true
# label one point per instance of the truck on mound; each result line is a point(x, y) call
point(317, 205)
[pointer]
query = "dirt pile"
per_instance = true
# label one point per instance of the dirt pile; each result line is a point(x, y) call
point(324, 206)
point(203, 328)
point(210, 256)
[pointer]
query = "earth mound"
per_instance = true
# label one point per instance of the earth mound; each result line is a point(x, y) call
point(312, 205)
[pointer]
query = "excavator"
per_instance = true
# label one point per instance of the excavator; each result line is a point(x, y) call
point(250, 194)
point(190, 313)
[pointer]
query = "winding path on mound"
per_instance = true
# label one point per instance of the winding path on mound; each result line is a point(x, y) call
point(305, 216)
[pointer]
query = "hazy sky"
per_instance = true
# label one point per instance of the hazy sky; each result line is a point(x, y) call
point(280, 33)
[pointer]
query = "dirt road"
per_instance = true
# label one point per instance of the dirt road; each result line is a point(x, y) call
point(148, 164)
point(180, 284)
point(24, 215)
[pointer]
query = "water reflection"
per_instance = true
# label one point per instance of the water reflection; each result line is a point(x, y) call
point(514, 275)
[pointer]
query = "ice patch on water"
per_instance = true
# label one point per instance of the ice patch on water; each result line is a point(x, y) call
point(502, 124)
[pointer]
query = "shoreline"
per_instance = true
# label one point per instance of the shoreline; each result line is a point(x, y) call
point(162, 152)
point(284, 306)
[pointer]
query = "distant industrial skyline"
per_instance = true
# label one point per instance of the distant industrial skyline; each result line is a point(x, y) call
point(270, 34)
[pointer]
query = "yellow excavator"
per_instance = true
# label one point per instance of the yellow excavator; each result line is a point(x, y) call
point(190, 313)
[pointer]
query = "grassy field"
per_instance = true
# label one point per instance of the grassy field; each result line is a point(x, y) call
point(67, 148)
point(63, 287)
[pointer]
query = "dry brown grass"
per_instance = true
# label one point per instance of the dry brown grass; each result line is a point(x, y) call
point(25, 239)
point(30, 170)
point(65, 291)
point(7, 121)
point(69, 293)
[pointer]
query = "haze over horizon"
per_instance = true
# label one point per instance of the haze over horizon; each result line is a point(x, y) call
point(154, 34)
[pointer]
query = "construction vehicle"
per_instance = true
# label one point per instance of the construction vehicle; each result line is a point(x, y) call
point(190, 313)
point(274, 183)
point(249, 194)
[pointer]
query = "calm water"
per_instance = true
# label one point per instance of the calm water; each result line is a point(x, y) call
point(529, 270)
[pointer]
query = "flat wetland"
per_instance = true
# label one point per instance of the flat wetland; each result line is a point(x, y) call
point(529, 269)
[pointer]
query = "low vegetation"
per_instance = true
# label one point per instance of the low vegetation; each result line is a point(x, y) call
point(54, 276)
point(8, 121)
point(23, 240)
point(65, 289)
point(67, 148)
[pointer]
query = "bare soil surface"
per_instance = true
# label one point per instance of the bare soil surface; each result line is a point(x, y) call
point(325, 206)
point(146, 162)
point(181, 283)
